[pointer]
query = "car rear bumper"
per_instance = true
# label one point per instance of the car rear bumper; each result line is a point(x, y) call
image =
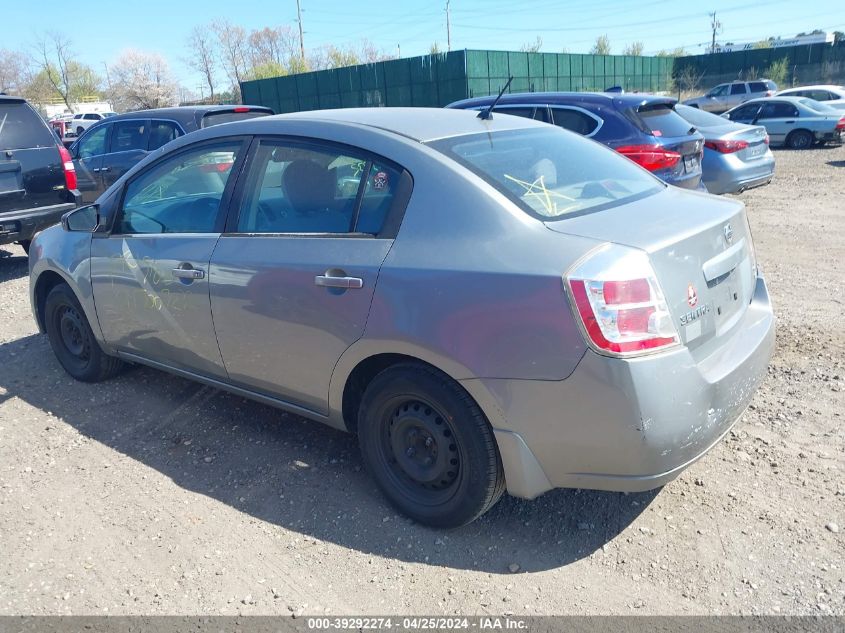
point(628, 424)
point(18, 226)
point(727, 173)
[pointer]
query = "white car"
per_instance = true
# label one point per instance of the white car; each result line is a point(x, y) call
point(833, 96)
point(83, 120)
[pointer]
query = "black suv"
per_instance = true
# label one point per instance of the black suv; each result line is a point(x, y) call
point(37, 178)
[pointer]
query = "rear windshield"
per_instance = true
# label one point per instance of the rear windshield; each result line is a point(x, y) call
point(21, 128)
point(551, 174)
point(661, 120)
point(699, 118)
point(216, 118)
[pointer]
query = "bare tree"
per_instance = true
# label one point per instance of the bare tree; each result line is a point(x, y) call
point(142, 80)
point(532, 47)
point(688, 79)
point(233, 43)
point(634, 48)
point(203, 59)
point(602, 46)
point(14, 72)
point(69, 79)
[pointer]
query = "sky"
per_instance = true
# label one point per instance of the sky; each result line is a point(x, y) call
point(410, 27)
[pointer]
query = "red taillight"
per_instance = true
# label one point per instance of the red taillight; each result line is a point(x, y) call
point(652, 157)
point(766, 139)
point(67, 165)
point(770, 93)
point(726, 147)
point(241, 109)
point(620, 304)
point(841, 124)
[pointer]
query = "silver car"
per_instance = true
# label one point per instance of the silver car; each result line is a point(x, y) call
point(490, 305)
point(831, 96)
point(795, 122)
point(726, 96)
point(736, 156)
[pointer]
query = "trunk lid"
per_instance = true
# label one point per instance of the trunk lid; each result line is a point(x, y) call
point(755, 136)
point(701, 251)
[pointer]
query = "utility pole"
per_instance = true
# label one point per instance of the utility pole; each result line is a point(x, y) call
point(108, 77)
point(301, 39)
point(448, 28)
point(715, 25)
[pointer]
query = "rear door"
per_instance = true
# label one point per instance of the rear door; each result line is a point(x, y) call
point(31, 173)
point(293, 277)
point(150, 273)
point(88, 154)
point(127, 146)
point(737, 94)
point(779, 118)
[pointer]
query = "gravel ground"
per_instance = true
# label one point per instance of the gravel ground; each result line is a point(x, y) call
point(150, 494)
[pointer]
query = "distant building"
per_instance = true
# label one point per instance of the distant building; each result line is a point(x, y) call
point(814, 38)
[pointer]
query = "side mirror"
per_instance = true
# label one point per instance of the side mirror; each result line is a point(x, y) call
point(83, 219)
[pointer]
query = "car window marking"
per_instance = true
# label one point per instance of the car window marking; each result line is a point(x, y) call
point(544, 195)
point(3, 123)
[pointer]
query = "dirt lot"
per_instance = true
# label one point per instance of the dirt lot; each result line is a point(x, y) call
point(151, 494)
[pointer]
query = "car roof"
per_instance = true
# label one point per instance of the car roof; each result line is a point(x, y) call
point(11, 99)
point(629, 99)
point(182, 114)
point(815, 87)
point(786, 98)
point(419, 124)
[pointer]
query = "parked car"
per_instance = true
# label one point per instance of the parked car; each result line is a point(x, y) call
point(726, 96)
point(644, 128)
point(110, 148)
point(736, 156)
point(496, 304)
point(795, 122)
point(37, 179)
point(833, 96)
point(83, 120)
point(61, 124)
point(479, 327)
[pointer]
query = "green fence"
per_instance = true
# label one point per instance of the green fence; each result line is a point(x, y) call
point(436, 80)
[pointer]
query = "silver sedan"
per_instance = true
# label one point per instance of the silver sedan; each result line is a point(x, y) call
point(736, 156)
point(796, 122)
point(490, 304)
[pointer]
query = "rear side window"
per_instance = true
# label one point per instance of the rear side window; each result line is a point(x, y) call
point(548, 173)
point(129, 135)
point(22, 128)
point(574, 120)
point(778, 110)
point(161, 133)
point(527, 113)
point(227, 116)
point(661, 120)
point(758, 86)
point(738, 89)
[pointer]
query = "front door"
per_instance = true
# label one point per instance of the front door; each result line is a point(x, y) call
point(150, 274)
point(292, 282)
point(88, 161)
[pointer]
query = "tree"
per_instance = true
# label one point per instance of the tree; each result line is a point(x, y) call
point(675, 52)
point(68, 79)
point(602, 46)
point(688, 79)
point(233, 46)
point(838, 37)
point(273, 47)
point(203, 58)
point(14, 72)
point(635, 49)
point(778, 71)
point(142, 80)
point(434, 49)
point(532, 47)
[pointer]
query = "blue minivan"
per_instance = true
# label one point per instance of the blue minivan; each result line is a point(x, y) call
point(645, 128)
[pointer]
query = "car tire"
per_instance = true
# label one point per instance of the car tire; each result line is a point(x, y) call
point(80, 130)
point(429, 447)
point(799, 139)
point(72, 340)
point(25, 245)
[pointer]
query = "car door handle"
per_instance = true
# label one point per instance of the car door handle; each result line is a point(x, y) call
point(789, 122)
point(96, 169)
point(188, 273)
point(328, 281)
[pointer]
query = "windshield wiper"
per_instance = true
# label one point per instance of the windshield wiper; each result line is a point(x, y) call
point(488, 113)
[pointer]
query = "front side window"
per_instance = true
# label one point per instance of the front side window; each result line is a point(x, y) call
point(551, 174)
point(719, 91)
point(93, 143)
point(745, 113)
point(313, 189)
point(129, 135)
point(181, 194)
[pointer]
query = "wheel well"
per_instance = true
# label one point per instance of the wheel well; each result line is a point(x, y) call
point(362, 375)
point(46, 282)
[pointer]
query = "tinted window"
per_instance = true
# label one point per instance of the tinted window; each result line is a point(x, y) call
point(181, 194)
point(215, 118)
point(574, 120)
point(91, 117)
point(93, 143)
point(548, 173)
point(745, 113)
point(295, 189)
point(778, 110)
point(661, 120)
point(758, 86)
point(819, 95)
point(161, 133)
point(21, 127)
point(129, 135)
point(527, 112)
point(738, 89)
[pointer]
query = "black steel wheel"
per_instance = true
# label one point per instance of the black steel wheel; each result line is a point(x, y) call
point(429, 446)
point(73, 341)
point(799, 139)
